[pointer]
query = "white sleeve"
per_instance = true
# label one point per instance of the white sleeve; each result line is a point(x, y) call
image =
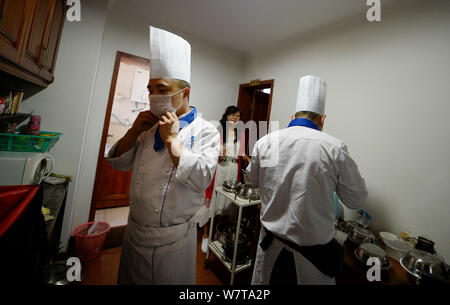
point(196, 167)
point(253, 167)
point(125, 161)
point(351, 187)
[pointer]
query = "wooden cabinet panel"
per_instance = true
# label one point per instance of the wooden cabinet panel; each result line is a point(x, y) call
point(35, 51)
point(14, 25)
point(55, 30)
point(30, 33)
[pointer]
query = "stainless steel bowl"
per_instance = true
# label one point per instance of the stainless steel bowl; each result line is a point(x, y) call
point(231, 186)
point(248, 191)
point(348, 226)
point(418, 262)
point(367, 250)
point(361, 235)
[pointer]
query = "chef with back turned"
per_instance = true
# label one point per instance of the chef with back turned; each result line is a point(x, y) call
point(173, 153)
point(297, 240)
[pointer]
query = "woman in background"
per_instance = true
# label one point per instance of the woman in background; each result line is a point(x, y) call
point(231, 152)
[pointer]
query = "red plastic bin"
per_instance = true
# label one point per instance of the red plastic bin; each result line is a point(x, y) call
point(90, 246)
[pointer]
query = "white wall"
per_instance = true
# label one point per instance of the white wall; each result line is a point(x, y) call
point(63, 106)
point(388, 100)
point(215, 77)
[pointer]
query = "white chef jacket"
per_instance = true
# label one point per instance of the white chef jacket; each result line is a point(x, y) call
point(159, 245)
point(162, 195)
point(297, 193)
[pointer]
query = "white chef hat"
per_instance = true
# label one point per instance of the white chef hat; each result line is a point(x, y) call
point(170, 56)
point(312, 92)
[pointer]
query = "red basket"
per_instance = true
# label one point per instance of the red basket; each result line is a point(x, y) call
point(89, 246)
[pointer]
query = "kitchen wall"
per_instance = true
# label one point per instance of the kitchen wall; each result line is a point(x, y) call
point(64, 105)
point(75, 103)
point(215, 77)
point(388, 101)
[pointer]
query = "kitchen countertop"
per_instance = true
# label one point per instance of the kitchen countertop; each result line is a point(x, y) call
point(355, 272)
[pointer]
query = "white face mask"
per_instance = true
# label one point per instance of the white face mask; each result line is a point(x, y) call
point(161, 104)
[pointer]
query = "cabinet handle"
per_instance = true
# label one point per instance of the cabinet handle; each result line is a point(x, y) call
point(41, 56)
point(49, 59)
point(46, 57)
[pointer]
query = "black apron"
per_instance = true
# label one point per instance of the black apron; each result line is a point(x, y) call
point(327, 258)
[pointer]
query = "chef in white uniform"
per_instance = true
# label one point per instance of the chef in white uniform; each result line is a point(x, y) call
point(173, 153)
point(297, 244)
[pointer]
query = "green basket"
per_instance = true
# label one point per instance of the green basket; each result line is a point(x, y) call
point(28, 143)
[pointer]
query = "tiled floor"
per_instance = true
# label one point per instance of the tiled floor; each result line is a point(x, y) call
point(114, 216)
point(104, 270)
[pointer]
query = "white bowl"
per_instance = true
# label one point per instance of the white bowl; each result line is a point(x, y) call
point(397, 248)
point(388, 236)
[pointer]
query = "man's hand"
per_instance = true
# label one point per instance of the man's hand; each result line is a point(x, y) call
point(144, 121)
point(169, 126)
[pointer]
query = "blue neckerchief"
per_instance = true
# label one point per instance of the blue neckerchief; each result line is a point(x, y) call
point(303, 122)
point(186, 120)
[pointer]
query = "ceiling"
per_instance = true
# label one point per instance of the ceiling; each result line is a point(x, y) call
point(246, 25)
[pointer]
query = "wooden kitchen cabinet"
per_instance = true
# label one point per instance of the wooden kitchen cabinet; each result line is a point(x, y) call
point(30, 32)
point(14, 27)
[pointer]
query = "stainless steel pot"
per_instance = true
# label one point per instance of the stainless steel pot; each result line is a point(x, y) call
point(367, 250)
point(419, 263)
point(248, 191)
point(360, 235)
point(231, 186)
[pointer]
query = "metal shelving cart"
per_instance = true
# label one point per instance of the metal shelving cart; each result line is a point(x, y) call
point(216, 246)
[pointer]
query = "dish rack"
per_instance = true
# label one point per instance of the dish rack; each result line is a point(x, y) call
point(216, 247)
point(29, 143)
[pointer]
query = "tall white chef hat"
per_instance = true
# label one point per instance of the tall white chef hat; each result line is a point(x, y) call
point(170, 56)
point(312, 92)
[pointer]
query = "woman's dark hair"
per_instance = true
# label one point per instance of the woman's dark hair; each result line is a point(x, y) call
point(223, 122)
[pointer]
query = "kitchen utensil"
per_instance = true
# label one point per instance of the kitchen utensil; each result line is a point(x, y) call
point(367, 250)
point(425, 244)
point(397, 248)
point(225, 228)
point(244, 247)
point(248, 191)
point(56, 274)
point(361, 235)
point(348, 226)
point(245, 175)
point(388, 236)
point(419, 262)
point(231, 186)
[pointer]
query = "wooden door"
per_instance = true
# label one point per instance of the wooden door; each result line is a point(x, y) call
point(255, 101)
point(111, 188)
point(15, 21)
point(55, 26)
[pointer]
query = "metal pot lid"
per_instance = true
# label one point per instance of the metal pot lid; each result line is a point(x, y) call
point(373, 250)
point(364, 232)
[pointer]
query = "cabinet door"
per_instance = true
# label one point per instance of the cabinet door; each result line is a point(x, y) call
point(54, 35)
point(35, 51)
point(15, 22)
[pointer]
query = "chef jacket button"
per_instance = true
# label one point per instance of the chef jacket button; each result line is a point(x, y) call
point(156, 210)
